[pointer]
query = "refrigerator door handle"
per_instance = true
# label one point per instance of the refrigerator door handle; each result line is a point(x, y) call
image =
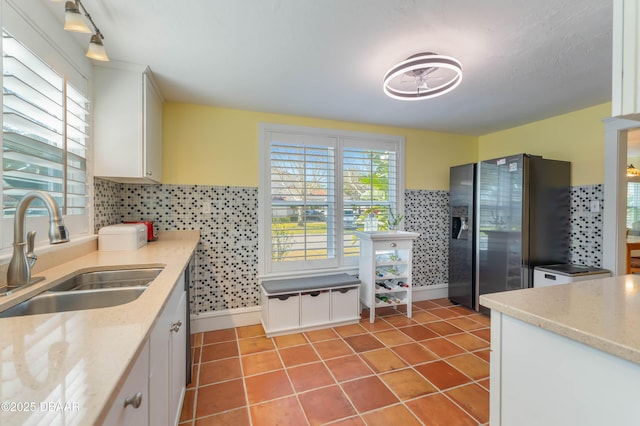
point(476, 238)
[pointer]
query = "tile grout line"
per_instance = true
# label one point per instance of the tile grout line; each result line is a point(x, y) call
point(439, 391)
point(244, 384)
point(293, 388)
point(388, 346)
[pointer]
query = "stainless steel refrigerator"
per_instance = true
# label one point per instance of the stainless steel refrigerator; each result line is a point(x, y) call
point(507, 216)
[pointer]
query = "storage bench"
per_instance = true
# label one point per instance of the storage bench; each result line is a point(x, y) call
point(301, 304)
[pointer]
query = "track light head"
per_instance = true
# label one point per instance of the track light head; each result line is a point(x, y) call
point(96, 48)
point(73, 18)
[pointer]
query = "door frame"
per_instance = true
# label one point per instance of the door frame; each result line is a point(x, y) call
point(615, 193)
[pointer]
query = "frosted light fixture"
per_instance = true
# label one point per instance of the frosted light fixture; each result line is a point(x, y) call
point(73, 21)
point(422, 76)
point(96, 48)
point(73, 18)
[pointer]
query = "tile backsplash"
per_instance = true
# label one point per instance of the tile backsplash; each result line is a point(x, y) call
point(227, 255)
point(586, 225)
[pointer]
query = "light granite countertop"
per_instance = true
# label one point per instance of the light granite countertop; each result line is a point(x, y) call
point(602, 313)
point(67, 368)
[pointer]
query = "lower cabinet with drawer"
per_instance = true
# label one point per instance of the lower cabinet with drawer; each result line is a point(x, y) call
point(167, 374)
point(154, 389)
point(131, 406)
point(295, 307)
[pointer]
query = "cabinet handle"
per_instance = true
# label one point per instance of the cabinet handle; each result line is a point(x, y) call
point(149, 173)
point(134, 400)
point(392, 245)
point(176, 326)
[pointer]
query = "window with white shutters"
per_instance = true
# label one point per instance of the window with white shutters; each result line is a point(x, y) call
point(317, 188)
point(45, 122)
point(633, 206)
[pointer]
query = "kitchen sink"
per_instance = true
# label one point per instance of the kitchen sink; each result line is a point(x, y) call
point(108, 279)
point(50, 302)
point(88, 290)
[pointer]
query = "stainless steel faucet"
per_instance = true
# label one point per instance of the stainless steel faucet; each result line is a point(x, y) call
point(19, 272)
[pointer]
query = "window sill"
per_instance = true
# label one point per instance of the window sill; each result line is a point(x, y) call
point(353, 270)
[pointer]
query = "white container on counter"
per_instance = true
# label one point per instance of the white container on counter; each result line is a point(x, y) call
point(122, 237)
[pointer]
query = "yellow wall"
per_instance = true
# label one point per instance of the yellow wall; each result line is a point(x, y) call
point(205, 145)
point(577, 137)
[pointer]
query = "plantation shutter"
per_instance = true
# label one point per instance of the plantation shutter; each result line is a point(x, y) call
point(369, 190)
point(302, 199)
point(44, 133)
point(317, 189)
point(633, 204)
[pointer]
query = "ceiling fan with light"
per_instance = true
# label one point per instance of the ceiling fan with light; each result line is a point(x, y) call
point(423, 76)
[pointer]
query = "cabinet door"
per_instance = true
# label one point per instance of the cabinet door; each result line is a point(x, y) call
point(178, 358)
point(159, 369)
point(117, 131)
point(168, 359)
point(152, 131)
point(124, 410)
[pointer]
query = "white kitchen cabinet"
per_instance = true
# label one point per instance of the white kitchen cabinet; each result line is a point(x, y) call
point(131, 406)
point(127, 124)
point(539, 377)
point(385, 269)
point(178, 360)
point(159, 374)
point(167, 373)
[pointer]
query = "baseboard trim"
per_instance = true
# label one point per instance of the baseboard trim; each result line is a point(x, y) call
point(238, 317)
point(428, 292)
point(229, 318)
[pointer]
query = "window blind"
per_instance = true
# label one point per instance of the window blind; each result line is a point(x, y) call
point(369, 190)
point(633, 205)
point(317, 189)
point(302, 207)
point(45, 123)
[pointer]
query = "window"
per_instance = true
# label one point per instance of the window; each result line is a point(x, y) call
point(317, 188)
point(633, 207)
point(44, 133)
point(45, 141)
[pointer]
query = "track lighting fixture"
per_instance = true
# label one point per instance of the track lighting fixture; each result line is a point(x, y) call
point(73, 22)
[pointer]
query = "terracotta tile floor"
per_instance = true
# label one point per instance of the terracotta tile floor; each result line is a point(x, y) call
point(432, 369)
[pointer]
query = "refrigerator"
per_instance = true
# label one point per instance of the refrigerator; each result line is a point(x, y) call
point(507, 216)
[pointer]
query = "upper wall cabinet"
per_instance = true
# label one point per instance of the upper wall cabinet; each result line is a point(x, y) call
point(127, 124)
point(625, 93)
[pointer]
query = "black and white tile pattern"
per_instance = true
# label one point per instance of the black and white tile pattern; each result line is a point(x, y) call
point(227, 256)
point(586, 225)
point(427, 212)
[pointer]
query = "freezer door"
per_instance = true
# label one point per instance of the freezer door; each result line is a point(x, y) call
point(499, 221)
point(461, 235)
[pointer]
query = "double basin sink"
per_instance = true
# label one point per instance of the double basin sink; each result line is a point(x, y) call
point(88, 290)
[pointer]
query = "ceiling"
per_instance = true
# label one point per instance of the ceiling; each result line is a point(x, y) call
point(522, 60)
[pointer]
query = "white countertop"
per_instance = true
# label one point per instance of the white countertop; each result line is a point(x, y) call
point(68, 366)
point(602, 313)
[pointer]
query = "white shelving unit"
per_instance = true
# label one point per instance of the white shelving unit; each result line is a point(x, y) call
point(385, 269)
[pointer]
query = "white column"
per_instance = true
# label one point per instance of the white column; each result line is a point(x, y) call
point(625, 94)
